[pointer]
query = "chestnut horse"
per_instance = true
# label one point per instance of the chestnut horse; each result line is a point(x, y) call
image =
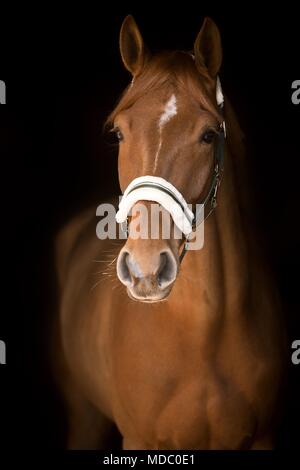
point(174, 355)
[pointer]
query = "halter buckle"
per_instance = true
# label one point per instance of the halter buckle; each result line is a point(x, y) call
point(125, 227)
point(184, 250)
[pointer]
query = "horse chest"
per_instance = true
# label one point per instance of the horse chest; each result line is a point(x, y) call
point(173, 402)
point(191, 413)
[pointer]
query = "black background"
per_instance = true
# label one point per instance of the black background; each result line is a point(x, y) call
point(63, 75)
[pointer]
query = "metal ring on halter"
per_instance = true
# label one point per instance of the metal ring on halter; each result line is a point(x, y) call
point(125, 226)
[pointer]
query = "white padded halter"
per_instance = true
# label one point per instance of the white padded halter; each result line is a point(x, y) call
point(162, 192)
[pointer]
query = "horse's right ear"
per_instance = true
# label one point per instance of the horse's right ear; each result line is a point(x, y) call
point(132, 46)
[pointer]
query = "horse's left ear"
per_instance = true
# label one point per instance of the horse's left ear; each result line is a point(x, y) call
point(132, 46)
point(208, 48)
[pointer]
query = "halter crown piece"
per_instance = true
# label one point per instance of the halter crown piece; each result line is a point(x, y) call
point(161, 191)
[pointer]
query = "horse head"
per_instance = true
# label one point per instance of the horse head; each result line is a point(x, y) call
point(167, 123)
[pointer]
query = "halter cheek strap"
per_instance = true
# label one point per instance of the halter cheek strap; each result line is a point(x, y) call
point(157, 189)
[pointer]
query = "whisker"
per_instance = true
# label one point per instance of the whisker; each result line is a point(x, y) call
point(112, 261)
point(100, 261)
point(97, 284)
point(187, 278)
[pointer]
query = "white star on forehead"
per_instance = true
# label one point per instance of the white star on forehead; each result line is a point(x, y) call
point(169, 111)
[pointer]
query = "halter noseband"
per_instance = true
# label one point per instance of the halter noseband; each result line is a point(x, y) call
point(157, 189)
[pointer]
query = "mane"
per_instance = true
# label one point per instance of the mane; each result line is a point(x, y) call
point(175, 68)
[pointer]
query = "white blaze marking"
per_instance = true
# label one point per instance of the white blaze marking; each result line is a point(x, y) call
point(157, 153)
point(169, 112)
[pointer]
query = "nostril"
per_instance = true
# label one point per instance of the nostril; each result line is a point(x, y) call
point(167, 270)
point(123, 270)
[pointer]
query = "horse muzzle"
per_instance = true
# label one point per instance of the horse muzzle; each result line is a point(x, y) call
point(147, 278)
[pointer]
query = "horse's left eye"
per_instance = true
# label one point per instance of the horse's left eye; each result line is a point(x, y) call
point(208, 136)
point(116, 132)
point(119, 134)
